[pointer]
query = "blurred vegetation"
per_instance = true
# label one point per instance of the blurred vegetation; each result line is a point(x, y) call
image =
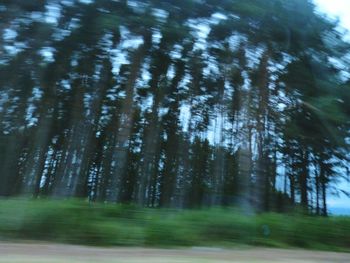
point(174, 103)
point(85, 223)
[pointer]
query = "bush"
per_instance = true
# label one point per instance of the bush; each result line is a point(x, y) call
point(79, 222)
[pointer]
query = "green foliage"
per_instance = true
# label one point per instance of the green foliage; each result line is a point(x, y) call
point(108, 22)
point(328, 108)
point(109, 225)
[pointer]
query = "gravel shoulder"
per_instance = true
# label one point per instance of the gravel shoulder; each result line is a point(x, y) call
point(58, 253)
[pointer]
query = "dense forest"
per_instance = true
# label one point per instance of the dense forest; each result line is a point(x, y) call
point(180, 104)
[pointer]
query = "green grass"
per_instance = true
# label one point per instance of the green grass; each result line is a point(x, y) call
point(79, 222)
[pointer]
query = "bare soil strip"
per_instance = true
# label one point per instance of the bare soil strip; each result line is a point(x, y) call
point(58, 253)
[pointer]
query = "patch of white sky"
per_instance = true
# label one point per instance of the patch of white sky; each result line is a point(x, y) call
point(30, 111)
point(254, 54)
point(9, 34)
point(336, 9)
point(171, 72)
point(142, 82)
point(156, 36)
point(137, 6)
point(11, 46)
point(160, 14)
point(185, 116)
point(176, 52)
point(61, 33)
point(53, 13)
point(201, 28)
point(145, 75)
point(47, 54)
point(120, 54)
point(15, 48)
point(235, 40)
point(129, 41)
point(87, 2)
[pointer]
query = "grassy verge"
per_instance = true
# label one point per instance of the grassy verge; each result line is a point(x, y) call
point(110, 225)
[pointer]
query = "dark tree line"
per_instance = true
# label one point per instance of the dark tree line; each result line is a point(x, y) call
point(173, 103)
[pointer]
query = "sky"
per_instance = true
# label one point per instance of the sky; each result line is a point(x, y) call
point(338, 9)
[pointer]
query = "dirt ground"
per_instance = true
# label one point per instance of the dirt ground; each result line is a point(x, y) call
point(57, 253)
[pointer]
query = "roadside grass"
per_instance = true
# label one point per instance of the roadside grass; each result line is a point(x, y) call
point(79, 222)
